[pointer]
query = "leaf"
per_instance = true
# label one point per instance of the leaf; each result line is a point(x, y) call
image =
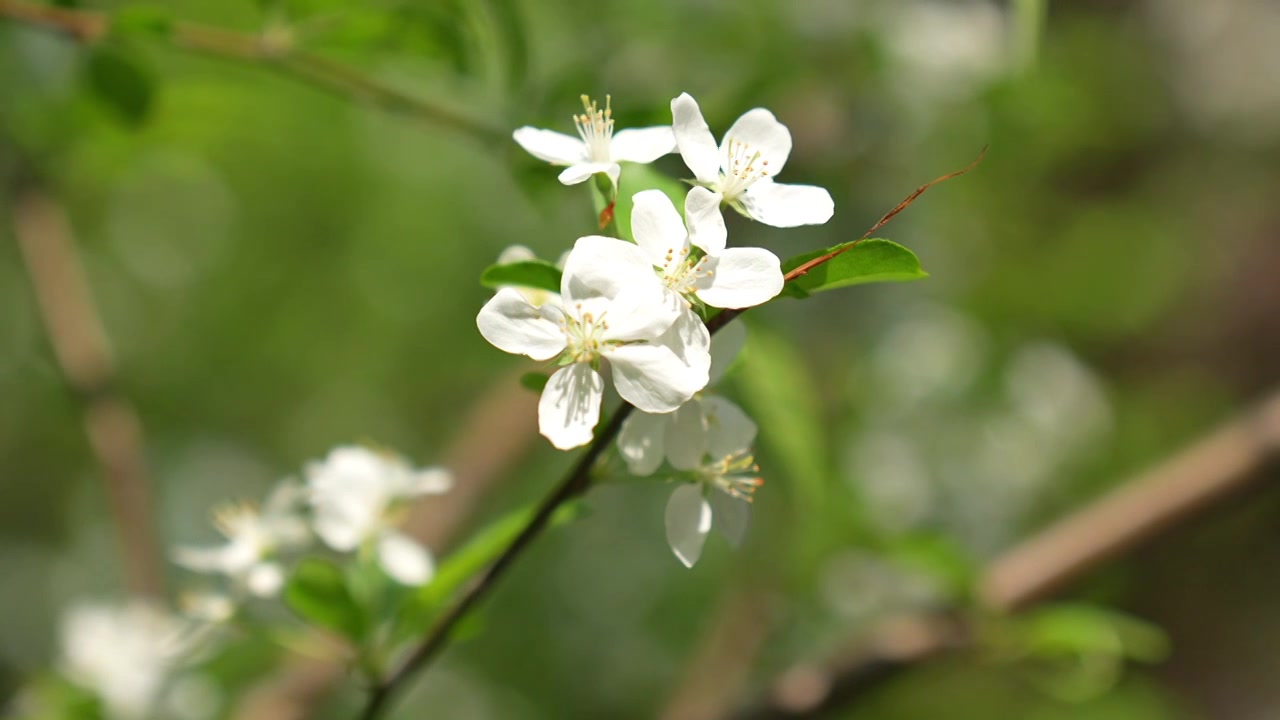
point(638, 178)
point(538, 274)
point(868, 261)
point(939, 557)
point(144, 20)
point(120, 81)
point(534, 381)
point(461, 565)
point(317, 591)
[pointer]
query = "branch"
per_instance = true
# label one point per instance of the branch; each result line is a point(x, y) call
point(269, 50)
point(80, 347)
point(1183, 486)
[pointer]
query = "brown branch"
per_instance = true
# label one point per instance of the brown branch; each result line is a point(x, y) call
point(80, 346)
point(1185, 485)
point(270, 50)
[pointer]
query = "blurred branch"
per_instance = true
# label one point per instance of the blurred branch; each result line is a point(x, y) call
point(271, 50)
point(1185, 485)
point(80, 347)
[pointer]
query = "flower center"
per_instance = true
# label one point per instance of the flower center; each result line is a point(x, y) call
point(681, 272)
point(595, 127)
point(585, 333)
point(736, 474)
point(743, 166)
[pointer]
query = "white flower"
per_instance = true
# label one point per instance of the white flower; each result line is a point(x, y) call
point(741, 169)
point(253, 537)
point(721, 491)
point(597, 149)
point(519, 253)
point(611, 308)
point(706, 425)
point(722, 277)
point(355, 493)
point(123, 654)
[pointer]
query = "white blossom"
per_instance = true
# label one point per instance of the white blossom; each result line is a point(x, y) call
point(611, 308)
point(356, 492)
point(721, 492)
point(597, 149)
point(253, 538)
point(720, 277)
point(519, 253)
point(124, 654)
point(742, 168)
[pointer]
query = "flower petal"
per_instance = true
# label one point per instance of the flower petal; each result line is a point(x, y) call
point(570, 406)
point(694, 139)
point(658, 228)
point(741, 278)
point(642, 145)
point(511, 324)
point(687, 436)
point(731, 516)
point(729, 430)
point(652, 377)
point(200, 559)
point(784, 206)
point(760, 132)
point(575, 174)
point(404, 560)
point(265, 579)
point(602, 266)
point(688, 520)
point(706, 223)
point(643, 312)
point(725, 346)
point(641, 442)
point(430, 481)
point(551, 146)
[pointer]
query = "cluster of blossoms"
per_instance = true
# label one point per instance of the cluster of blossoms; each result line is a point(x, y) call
point(632, 312)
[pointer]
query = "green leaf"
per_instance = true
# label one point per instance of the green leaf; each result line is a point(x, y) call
point(538, 274)
point(868, 261)
point(941, 558)
point(534, 381)
point(145, 20)
point(120, 81)
point(461, 565)
point(317, 591)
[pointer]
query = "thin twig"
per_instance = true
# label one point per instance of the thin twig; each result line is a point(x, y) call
point(270, 50)
point(82, 352)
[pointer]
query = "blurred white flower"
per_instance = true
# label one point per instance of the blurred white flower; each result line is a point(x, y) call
point(355, 493)
point(706, 425)
point(741, 169)
point(597, 149)
point(124, 654)
point(253, 538)
point(721, 492)
point(611, 307)
point(722, 277)
point(518, 254)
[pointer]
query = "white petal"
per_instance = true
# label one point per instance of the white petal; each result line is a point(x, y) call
point(641, 442)
point(689, 338)
point(706, 223)
point(642, 313)
point(658, 228)
point(642, 145)
point(662, 375)
point(575, 174)
point(404, 559)
point(694, 139)
point(729, 429)
point(602, 266)
point(551, 146)
point(200, 559)
point(687, 436)
point(430, 481)
point(741, 278)
point(761, 132)
point(784, 206)
point(688, 519)
point(725, 346)
point(265, 579)
point(570, 405)
point(514, 254)
point(339, 530)
point(511, 324)
point(731, 516)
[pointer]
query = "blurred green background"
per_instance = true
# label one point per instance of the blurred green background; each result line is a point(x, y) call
point(280, 270)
